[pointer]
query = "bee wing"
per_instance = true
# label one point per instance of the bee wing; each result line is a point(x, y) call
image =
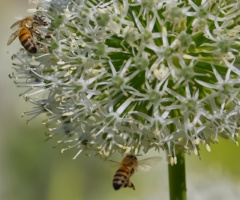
point(16, 23)
point(12, 37)
point(113, 164)
point(148, 163)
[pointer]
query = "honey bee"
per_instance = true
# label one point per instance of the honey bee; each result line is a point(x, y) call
point(27, 27)
point(127, 168)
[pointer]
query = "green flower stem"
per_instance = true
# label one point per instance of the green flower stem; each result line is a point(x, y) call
point(177, 179)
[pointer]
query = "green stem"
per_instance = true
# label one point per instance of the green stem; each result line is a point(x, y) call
point(177, 179)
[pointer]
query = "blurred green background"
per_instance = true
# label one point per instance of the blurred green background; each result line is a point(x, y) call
point(31, 168)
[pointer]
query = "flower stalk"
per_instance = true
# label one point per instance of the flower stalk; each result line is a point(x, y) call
point(177, 179)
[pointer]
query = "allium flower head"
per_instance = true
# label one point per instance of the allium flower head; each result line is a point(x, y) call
point(132, 75)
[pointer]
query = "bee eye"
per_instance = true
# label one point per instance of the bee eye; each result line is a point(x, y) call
point(134, 158)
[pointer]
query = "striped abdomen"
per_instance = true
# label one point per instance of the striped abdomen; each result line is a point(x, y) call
point(121, 178)
point(27, 41)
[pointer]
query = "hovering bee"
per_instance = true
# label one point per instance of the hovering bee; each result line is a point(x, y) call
point(27, 27)
point(127, 168)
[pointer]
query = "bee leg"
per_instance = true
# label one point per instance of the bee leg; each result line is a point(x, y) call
point(38, 33)
point(42, 46)
point(48, 36)
point(130, 185)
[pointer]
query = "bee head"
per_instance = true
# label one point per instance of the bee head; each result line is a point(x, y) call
point(132, 157)
point(39, 21)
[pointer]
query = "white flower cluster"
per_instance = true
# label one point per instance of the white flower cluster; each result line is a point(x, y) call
point(132, 75)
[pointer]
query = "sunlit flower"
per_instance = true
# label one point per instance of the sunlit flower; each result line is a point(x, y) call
point(129, 76)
